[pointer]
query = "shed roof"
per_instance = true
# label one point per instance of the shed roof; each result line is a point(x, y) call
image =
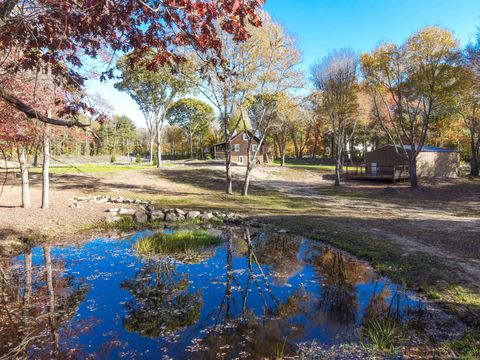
point(429, 149)
point(424, 148)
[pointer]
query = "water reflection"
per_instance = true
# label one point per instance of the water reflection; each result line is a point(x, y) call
point(160, 302)
point(257, 295)
point(35, 302)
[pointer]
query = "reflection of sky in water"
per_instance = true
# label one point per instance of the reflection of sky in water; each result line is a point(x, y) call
point(104, 264)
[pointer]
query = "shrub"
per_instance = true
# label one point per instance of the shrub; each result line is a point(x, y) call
point(207, 156)
point(138, 159)
point(113, 159)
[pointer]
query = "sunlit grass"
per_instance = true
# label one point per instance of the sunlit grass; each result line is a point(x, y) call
point(185, 243)
point(304, 164)
point(95, 168)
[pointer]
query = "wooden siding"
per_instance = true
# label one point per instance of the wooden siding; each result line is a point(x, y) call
point(241, 145)
point(429, 163)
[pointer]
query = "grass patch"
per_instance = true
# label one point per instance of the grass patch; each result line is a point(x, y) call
point(125, 224)
point(94, 168)
point(383, 335)
point(307, 164)
point(128, 224)
point(467, 347)
point(185, 243)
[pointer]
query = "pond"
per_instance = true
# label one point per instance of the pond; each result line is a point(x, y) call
point(255, 295)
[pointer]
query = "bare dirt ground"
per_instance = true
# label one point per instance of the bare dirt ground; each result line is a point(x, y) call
point(442, 221)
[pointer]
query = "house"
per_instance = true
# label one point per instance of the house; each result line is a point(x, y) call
point(239, 148)
point(388, 163)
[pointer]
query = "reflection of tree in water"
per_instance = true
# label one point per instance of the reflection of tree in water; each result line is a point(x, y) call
point(386, 304)
point(280, 252)
point(340, 275)
point(238, 331)
point(36, 304)
point(161, 302)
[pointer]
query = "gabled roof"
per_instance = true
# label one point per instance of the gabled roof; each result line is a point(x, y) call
point(234, 137)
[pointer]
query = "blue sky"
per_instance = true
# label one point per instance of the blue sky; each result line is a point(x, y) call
point(323, 25)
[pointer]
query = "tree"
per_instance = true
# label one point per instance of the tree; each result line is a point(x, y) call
point(273, 59)
point(467, 102)
point(407, 84)
point(193, 116)
point(287, 112)
point(154, 91)
point(123, 132)
point(336, 79)
point(226, 82)
point(31, 32)
point(17, 132)
point(262, 64)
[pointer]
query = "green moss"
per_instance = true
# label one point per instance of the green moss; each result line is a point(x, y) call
point(181, 242)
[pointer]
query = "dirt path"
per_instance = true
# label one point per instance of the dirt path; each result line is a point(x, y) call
point(418, 223)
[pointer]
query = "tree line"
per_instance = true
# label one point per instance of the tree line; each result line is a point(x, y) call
point(246, 68)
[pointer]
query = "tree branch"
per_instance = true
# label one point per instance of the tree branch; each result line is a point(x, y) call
point(31, 113)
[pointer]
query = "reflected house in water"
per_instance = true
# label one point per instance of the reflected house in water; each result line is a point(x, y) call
point(253, 295)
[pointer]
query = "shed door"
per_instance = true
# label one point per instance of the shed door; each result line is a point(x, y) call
point(240, 160)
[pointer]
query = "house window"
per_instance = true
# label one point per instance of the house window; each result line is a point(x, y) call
point(254, 147)
point(236, 148)
point(245, 136)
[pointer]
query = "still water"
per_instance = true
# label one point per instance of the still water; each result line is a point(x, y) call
point(256, 295)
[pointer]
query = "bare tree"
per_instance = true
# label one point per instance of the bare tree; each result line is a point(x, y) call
point(336, 79)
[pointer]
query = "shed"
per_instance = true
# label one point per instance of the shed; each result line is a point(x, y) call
point(431, 161)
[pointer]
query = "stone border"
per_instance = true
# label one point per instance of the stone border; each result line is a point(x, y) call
point(169, 215)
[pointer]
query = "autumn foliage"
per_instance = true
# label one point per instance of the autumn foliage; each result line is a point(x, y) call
point(58, 34)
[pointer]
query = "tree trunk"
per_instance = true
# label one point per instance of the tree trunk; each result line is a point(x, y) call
point(190, 141)
point(412, 169)
point(474, 167)
point(159, 145)
point(26, 203)
point(152, 140)
point(246, 182)
point(228, 168)
point(282, 156)
point(338, 168)
point(315, 146)
point(45, 167)
point(35, 157)
point(51, 300)
point(339, 155)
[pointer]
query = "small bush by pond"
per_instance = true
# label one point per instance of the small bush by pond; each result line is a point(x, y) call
point(181, 242)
